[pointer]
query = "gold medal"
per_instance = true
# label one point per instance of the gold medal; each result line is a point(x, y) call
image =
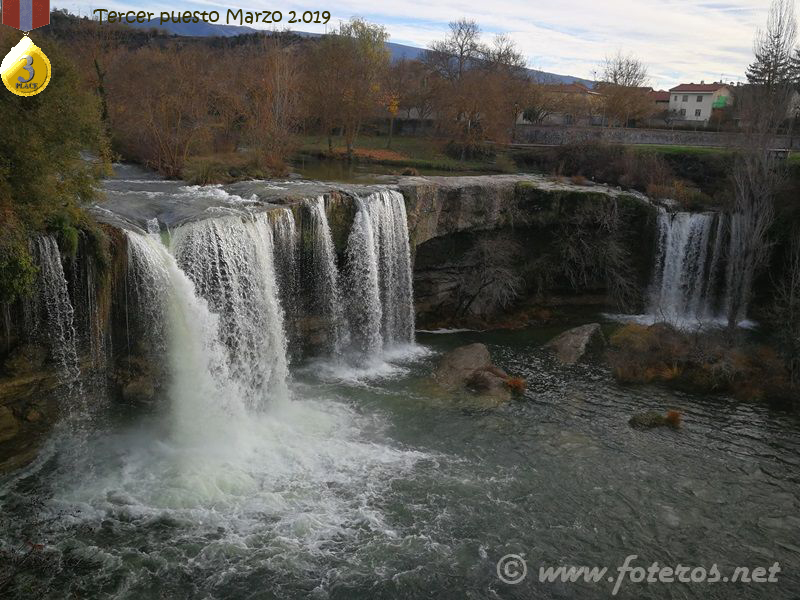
point(26, 69)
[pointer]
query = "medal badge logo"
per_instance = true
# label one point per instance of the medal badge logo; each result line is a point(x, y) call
point(26, 69)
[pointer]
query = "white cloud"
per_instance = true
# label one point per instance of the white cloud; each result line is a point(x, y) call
point(680, 40)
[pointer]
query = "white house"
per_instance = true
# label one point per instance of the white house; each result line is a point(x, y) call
point(695, 101)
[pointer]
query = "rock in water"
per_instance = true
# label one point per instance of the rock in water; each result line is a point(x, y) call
point(470, 368)
point(651, 419)
point(572, 345)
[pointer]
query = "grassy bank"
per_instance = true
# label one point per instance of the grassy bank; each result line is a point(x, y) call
point(405, 152)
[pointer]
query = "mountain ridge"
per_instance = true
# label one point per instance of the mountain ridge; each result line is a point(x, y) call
point(398, 51)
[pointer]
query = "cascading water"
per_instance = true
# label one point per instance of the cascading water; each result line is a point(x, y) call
point(285, 239)
point(230, 262)
point(680, 286)
point(389, 223)
point(324, 275)
point(52, 309)
point(364, 308)
point(379, 278)
point(202, 388)
point(51, 318)
point(692, 281)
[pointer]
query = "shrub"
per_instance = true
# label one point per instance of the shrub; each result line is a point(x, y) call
point(674, 418)
point(579, 180)
point(203, 171)
point(67, 235)
point(699, 361)
point(516, 384)
point(17, 269)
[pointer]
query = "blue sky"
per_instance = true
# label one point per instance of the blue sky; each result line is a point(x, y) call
point(679, 40)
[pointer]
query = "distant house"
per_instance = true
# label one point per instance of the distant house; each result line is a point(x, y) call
point(697, 101)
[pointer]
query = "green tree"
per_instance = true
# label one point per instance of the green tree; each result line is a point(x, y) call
point(43, 177)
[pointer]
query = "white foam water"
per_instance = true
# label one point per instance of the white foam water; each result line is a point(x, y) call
point(230, 262)
point(325, 276)
point(379, 293)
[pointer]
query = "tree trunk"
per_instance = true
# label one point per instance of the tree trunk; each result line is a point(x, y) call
point(391, 130)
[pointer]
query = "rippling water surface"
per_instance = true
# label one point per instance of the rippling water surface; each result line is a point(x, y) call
point(371, 485)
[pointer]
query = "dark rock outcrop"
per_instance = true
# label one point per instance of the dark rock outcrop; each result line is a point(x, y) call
point(575, 344)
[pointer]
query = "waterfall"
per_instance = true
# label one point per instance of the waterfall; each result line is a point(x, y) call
point(52, 308)
point(390, 226)
point(230, 262)
point(285, 239)
point(325, 277)
point(739, 274)
point(202, 387)
point(363, 288)
point(692, 280)
point(379, 282)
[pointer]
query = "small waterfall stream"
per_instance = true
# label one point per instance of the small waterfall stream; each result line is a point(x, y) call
point(285, 240)
point(325, 276)
point(53, 309)
point(690, 280)
point(364, 309)
point(379, 288)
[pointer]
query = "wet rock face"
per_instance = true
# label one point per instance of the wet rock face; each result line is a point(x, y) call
point(139, 378)
point(450, 221)
point(9, 426)
point(24, 359)
point(575, 344)
point(470, 368)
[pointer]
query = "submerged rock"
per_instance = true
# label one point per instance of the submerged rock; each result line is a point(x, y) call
point(651, 419)
point(470, 368)
point(574, 344)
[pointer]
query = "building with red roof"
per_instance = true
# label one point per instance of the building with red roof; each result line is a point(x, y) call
point(697, 101)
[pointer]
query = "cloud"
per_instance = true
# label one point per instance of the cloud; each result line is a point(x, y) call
point(679, 40)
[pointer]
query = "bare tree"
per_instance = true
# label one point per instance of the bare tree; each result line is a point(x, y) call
point(592, 249)
point(785, 311)
point(539, 103)
point(624, 70)
point(757, 174)
point(272, 110)
point(755, 179)
point(450, 58)
point(491, 280)
point(623, 86)
point(479, 89)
